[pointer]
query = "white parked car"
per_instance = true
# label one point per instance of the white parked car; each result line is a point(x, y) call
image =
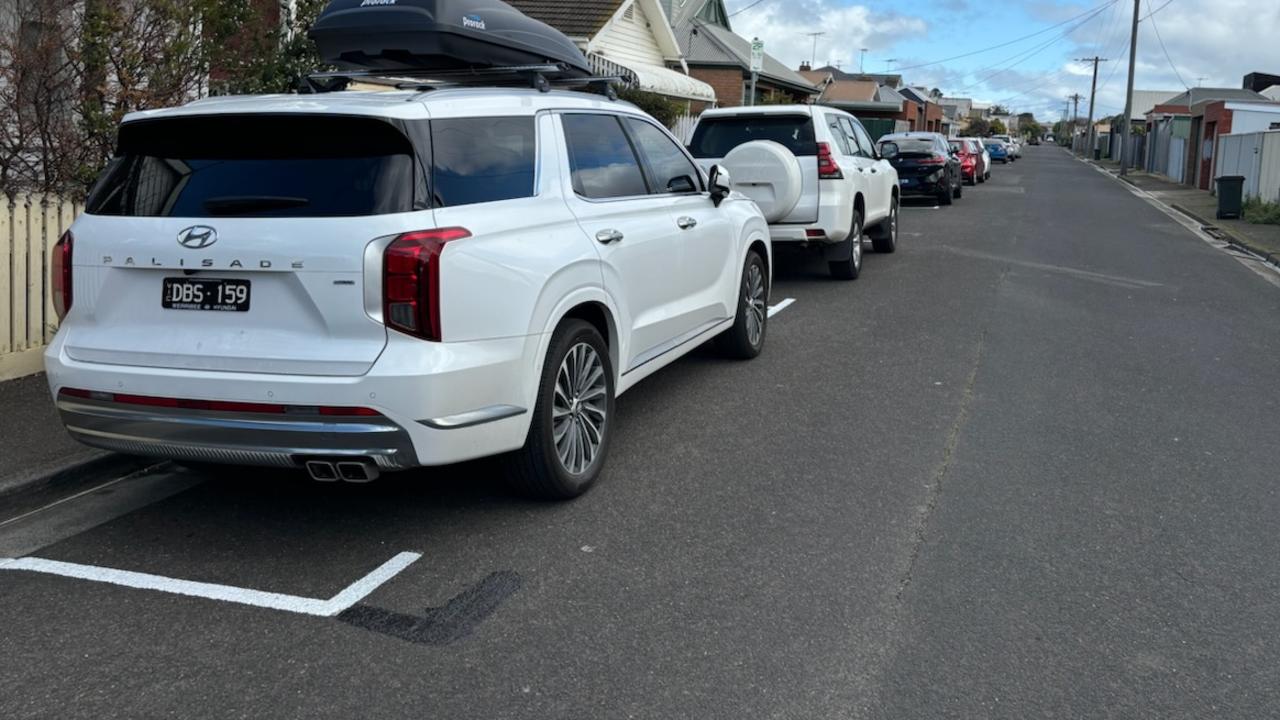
point(814, 172)
point(362, 282)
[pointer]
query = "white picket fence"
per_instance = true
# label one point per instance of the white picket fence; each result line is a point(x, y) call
point(29, 227)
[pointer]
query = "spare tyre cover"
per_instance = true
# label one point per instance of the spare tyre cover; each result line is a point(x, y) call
point(768, 173)
point(439, 35)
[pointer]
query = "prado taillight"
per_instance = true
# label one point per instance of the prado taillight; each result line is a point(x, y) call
point(411, 281)
point(827, 167)
point(60, 274)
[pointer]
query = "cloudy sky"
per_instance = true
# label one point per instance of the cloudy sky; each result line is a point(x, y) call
point(1212, 43)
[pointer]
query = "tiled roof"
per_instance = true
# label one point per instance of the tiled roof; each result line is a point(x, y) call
point(715, 45)
point(1200, 95)
point(851, 91)
point(575, 18)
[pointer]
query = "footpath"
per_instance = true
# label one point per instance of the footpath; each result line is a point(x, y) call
point(1202, 206)
point(36, 453)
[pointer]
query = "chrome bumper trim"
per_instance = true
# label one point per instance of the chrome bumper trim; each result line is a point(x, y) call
point(474, 417)
point(235, 438)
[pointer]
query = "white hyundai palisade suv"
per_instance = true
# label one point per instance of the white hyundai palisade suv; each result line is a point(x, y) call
point(814, 172)
point(360, 282)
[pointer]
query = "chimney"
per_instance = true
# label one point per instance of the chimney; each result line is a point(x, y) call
point(804, 66)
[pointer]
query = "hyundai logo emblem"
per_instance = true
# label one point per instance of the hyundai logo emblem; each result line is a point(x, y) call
point(197, 237)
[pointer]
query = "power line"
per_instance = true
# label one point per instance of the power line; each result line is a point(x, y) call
point(1010, 42)
point(1166, 52)
point(738, 12)
point(1028, 54)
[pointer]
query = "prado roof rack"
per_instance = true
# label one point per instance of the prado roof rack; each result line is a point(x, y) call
point(539, 77)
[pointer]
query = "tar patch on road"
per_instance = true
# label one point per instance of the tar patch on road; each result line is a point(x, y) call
point(442, 625)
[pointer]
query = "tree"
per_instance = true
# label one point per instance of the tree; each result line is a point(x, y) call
point(999, 110)
point(979, 127)
point(998, 128)
point(74, 70)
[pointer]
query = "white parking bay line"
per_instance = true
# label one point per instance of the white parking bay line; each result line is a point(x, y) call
point(353, 594)
point(775, 309)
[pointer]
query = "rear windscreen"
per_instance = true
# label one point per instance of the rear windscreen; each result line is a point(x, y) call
point(257, 166)
point(716, 136)
point(913, 146)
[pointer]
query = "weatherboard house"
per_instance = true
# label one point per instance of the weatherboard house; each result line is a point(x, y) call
point(632, 39)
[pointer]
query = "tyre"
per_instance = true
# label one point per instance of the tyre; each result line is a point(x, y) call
point(958, 191)
point(850, 268)
point(572, 420)
point(981, 179)
point(884, 238)
point(945, 197)
point(745, 339)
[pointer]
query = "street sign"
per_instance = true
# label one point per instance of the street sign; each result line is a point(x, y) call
point(757, 54)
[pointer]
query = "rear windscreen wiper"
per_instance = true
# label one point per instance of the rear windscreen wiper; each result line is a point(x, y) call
point(236, 205)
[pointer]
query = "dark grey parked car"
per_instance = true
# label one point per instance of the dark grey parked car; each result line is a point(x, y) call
point(926, 165)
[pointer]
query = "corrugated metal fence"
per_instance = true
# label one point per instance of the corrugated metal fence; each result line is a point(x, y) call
point(1256, 157)
point(29, 226)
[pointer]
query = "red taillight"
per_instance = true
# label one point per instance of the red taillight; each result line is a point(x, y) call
point(60, 274)
point(411, 281)
point(932, 160)
point(827, 168)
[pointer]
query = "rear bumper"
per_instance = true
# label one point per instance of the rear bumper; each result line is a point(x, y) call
point(437, 403)
point(925, 188)
point(835, 218)
point(239, 438)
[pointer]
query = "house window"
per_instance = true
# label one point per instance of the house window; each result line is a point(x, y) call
point(629, 14)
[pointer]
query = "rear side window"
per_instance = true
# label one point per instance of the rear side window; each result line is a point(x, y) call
point(482, 159)
point(601, 158)
point(841, 136)
point(716, 136)
point(258, 166)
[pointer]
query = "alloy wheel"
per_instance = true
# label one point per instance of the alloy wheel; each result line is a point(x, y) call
point(753, 299)
point(579, 408)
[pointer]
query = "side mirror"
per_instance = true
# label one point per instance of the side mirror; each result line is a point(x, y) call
point(682, 184)
point(720, 183)
point(888, 150)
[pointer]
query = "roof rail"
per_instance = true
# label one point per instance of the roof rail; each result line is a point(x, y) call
point(539, 77)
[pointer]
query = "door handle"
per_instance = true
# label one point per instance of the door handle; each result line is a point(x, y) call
point(604, 237)
point(686, 222)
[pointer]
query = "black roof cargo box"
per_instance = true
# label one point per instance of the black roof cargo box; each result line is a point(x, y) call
point(439, 35)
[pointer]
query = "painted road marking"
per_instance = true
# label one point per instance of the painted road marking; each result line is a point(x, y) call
point(775, 309)
point(353, 594)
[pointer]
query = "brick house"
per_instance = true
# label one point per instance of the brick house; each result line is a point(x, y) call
point(1195, 119)
point(722, 59)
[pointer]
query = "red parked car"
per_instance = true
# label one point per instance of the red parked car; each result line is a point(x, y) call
point(973, 166)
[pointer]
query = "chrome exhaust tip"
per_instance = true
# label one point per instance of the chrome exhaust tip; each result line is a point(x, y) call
point(322, 471)
point(358, 472)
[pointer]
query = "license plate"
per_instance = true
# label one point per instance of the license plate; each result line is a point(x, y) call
point(205, 294)
point(904, 181)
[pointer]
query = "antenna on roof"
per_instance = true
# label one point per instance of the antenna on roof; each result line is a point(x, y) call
point(888, 64)
point(813, 57)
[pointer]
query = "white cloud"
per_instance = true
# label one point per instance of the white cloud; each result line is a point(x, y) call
point(783, 25)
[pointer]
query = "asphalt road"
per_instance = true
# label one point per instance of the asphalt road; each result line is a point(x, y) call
point(1025, 467)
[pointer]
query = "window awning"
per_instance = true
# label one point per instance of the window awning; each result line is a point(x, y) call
point(654, 78)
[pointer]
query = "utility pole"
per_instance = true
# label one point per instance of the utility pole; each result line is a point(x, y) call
point(1075, 118)
point(1093, 91)
point(813, 57)
point(1128, 95)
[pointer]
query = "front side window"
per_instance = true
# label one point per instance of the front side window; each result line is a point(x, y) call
point(670, 167)
point(601, 158)
point(482, 159)
point(844, 141)
point(258, 166)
